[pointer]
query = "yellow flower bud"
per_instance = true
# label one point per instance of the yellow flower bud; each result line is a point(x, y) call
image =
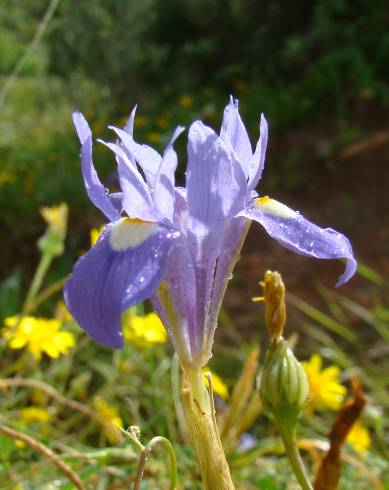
point(274, 298)
point(52, 242)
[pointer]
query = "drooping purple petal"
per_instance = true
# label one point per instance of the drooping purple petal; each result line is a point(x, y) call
point(215, 183)
point(163, 195)
point(298, 234)
point(93, 186)
point(124, 267)
point(234, 132)
point(257, 162)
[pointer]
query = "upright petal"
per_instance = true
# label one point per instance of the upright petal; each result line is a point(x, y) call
point(233, 130)
point(232, 240)
point(215, 183)
point(124, 267)
point(94, 187)
point(164, 180)
point(129, 126)
point(136, 198)
point(119, 152)
point(148, 159)
point(257, 162)
point(298, 234)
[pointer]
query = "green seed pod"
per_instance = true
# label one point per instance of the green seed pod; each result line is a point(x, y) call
point(284, 387)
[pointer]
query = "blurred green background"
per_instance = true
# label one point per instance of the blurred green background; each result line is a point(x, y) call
point(317, 69)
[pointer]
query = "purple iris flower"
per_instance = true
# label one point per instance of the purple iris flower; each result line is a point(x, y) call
point(178, 246)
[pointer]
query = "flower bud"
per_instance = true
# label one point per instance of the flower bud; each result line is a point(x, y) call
point(284, 387)
point(274, 298)
point(52, 242)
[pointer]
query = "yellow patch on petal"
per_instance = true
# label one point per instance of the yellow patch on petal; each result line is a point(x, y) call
point(129, 233)
point(270, 206)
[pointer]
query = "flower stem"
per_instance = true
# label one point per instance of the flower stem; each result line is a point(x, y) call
point(143, 458)
point(37, 280)
point(199, 411)
point(290, 443)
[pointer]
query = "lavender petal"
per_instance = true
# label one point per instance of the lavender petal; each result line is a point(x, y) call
point(123, 268)
point(163, 195)
point(215, 183)
point(93, 186)
point(234, 132)
point(257, 162)
point(299, 235)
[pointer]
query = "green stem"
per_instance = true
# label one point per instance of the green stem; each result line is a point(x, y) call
point(30, 48)
point(143, 458)
point(46, 293)
point(200, 414)
point(290, 443)
point(37, 280)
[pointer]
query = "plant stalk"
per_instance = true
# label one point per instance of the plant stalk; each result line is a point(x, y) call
point(143, 459)
point(290, 443)
point(200, 415)
point(37, 280)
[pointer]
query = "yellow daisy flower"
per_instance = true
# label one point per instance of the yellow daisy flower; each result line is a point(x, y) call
point(359, 437)
point(144, 330)
point(218, 385)
point(110, 414)
point(38, 335)
point(35, 414)
point(325, 389)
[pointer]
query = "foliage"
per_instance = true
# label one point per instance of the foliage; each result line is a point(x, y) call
point(294, 62)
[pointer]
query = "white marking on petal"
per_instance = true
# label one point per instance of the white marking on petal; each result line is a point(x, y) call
point(129, 233)
point(275, 208)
